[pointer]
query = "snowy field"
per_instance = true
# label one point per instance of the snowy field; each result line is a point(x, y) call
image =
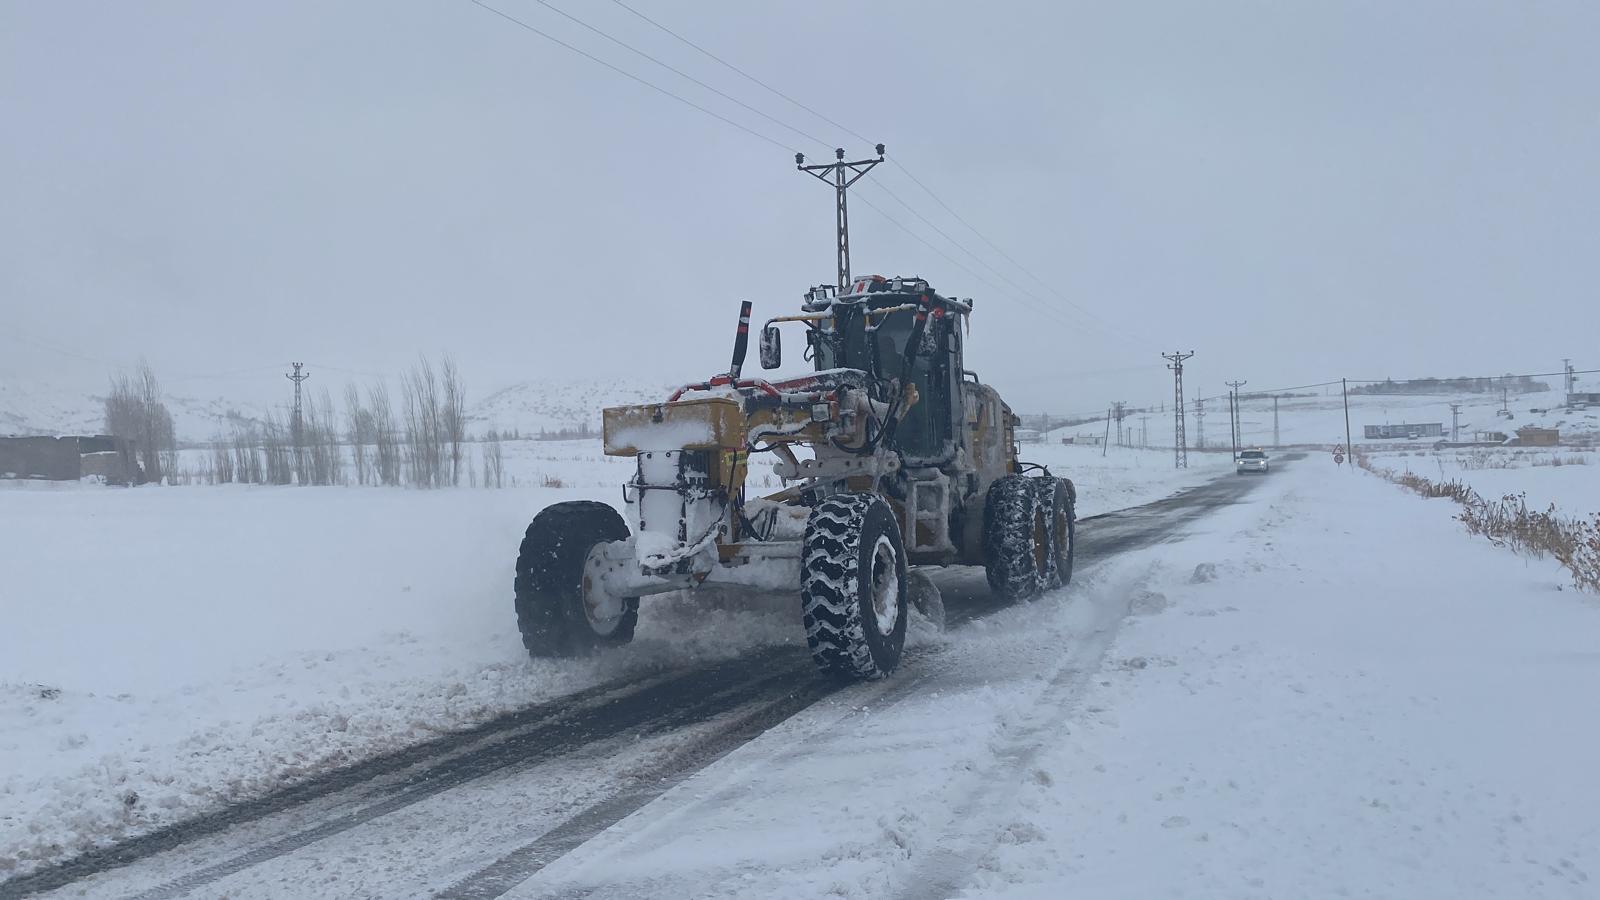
point(171, 649)
point(1569, 478)
point(1318, 417)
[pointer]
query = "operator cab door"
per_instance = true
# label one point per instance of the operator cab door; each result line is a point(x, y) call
point(927, 433)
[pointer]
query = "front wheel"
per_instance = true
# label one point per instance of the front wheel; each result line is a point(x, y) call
point(560, 610)
point(853, 587)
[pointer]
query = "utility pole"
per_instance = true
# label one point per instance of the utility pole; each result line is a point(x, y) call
point(1233, 433)
point(1144, 431)
point(1344, 385)
point(294, 421)
point(1455, 423)
point(1233, 413)
point(1199, 423)
point(1566, 368)
point(1118, 408)
point(1107, 439)
point(1276, 441)
point(1180, 448)
point(841, 175)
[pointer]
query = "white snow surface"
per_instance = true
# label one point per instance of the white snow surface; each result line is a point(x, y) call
point(1564, 477)
point(168, 650)
point(1326, 691)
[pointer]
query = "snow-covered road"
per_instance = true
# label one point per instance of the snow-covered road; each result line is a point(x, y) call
point(478, 814)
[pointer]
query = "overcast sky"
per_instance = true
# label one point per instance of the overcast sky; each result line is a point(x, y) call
point(1296, 191)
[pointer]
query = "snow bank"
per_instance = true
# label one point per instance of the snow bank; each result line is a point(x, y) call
point(1352, 702)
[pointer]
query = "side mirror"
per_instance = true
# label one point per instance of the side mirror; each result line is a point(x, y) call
point(771, 347)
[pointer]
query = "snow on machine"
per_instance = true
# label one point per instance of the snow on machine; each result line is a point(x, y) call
point(892, 455)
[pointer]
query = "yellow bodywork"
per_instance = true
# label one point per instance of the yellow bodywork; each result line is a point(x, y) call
point(715, 424)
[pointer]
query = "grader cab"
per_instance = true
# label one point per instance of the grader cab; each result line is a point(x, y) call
point(892, 455)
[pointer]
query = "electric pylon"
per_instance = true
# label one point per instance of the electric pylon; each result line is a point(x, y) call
point(841, 175)
point(1180, 447)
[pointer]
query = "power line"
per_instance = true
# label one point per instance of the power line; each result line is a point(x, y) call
point(993, 246)
point(629, 75)
point(957, 263)
point(629, 47)
point(1092, 318)
point(1021, 290)
point(742, 72)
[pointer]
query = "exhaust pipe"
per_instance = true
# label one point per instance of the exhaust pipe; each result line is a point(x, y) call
point(741, 341)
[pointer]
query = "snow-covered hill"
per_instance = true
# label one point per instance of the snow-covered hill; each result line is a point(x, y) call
point(559, 404)
point(36, 406)
point(33, 406)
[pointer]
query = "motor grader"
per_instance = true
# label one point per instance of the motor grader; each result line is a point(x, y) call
point(893, 456)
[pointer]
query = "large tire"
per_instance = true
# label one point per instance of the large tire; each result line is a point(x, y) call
point(853, 587)
point(549, 585)
point(1016, 539)
point(1061, 518)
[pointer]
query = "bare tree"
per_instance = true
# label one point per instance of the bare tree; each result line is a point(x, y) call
point(318, 458)
point(330, 441)
point(385, 442)
point(425, 452)
point(453, 416)
point(135, 411)
point(247, 465)
point(494, 464)
point(358, 430)
point(277, 452)
point(222, 460)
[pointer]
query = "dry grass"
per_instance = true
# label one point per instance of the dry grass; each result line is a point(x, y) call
point(1559, 460)
point(1509, 523)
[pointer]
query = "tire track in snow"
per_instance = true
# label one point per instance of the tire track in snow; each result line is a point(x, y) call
point(959, 850)
point(706, 694)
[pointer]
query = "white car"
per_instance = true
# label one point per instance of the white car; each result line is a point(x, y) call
point(1251, 461)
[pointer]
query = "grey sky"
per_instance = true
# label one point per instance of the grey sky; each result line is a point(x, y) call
point(1295, 190)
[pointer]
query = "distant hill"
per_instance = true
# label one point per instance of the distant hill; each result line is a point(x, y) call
point(31, 406)
point(559, 404)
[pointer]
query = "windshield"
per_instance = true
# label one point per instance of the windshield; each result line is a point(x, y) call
point(851, 351)
point(1252, 454)
point(924, 428)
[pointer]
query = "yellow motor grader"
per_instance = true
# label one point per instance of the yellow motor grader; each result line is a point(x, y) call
point(892, 456)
